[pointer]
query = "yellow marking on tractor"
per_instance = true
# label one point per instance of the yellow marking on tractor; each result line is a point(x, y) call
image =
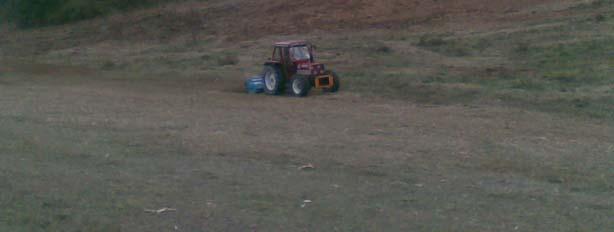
point(324, 81)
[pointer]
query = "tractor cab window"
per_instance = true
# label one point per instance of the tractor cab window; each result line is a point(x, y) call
point(300, 53)
point(277, 54)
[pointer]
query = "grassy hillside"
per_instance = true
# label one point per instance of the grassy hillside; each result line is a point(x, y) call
point(559, 65)
point(542, 55)
point(473, 115)
point(552, 57)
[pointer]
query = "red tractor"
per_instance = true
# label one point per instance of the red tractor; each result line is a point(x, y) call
point(292, 65)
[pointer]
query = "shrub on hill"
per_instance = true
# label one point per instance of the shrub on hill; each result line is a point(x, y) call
point(34, 13)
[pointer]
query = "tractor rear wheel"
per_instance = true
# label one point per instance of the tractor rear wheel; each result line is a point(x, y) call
point(336, 82)
point(300, 85)
point(273, 81)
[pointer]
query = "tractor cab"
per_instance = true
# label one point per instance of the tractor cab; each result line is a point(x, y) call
point(297, 50)
point(293, 60)
point(296, 57)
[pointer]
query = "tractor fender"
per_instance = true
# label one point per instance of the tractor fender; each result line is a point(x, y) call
point(272, 63)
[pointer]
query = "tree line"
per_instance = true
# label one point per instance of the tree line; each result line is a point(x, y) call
point(35, 13)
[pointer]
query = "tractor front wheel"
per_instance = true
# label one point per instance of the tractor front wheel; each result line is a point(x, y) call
point(336, 82)
point(300, 85)
point(273, 81)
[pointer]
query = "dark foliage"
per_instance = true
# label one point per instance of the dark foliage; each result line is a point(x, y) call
point(34, 13)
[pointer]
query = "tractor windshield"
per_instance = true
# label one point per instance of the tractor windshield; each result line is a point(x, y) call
point(300, 53)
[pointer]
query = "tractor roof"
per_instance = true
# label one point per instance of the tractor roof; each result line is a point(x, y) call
point(291, 43)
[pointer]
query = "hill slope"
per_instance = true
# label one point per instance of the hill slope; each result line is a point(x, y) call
point(248, 20)
point(453, 116)
point(441, 51)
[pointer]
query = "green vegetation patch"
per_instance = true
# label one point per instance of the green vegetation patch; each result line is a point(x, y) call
point(34, 13)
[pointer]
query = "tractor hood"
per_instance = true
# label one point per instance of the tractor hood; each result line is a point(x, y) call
point(308, 68)
point(317, 68)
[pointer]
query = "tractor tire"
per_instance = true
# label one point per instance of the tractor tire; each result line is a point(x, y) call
point(300, 85)
point(273, 81)
point(336, 82)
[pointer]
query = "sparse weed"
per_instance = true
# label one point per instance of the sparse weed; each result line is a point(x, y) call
point(383, 49)
point(108, 65)
point(522, 47)
point(565, 77)
point(599, 18)
point(527, 84)
point(448, 47)
point(431, 41)
point(228, 59)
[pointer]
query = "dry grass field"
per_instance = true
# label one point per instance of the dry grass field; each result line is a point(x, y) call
point(453, 116)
